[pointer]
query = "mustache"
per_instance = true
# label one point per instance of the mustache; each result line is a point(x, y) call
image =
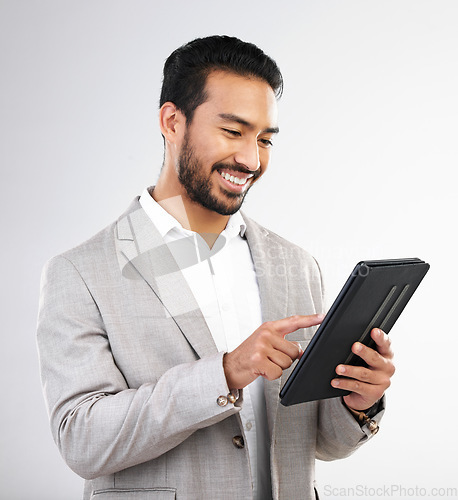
point(237, 168)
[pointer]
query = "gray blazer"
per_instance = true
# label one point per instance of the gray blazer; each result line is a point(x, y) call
point(131, 374)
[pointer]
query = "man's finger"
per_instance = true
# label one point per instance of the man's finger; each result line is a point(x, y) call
point(290, 348)
point(301, 351)
point(372, 357)
point(293, 323)
point(281, 359)
point(383, 342)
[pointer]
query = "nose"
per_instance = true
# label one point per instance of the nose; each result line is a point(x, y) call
point(248, 155)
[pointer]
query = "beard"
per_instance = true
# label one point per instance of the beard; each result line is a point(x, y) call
point(198, 184)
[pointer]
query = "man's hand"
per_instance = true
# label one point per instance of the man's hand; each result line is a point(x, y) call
point(266, 352)
point(367, 384)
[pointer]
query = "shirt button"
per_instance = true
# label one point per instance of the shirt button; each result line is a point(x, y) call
point(222, 401)
point(238, 442)
point(248, 426)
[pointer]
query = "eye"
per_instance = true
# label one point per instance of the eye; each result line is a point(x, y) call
point(266, 142)
point(233, 133)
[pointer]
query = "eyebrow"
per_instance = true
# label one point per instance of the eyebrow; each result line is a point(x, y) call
point(234, 118)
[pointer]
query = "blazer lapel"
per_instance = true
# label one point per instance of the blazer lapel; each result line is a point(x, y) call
point(142, 254)
point(270, 264)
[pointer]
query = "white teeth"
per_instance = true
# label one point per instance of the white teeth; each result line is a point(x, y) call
point(233, 179)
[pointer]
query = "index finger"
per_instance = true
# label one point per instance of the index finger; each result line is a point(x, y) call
point(293, 323)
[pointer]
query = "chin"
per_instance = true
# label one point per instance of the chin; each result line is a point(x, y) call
point(223, 207)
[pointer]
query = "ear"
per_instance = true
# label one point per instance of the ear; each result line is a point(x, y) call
point(172, 122)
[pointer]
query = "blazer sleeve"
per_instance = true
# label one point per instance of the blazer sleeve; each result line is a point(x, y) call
point(339, 434)
point(101, 425)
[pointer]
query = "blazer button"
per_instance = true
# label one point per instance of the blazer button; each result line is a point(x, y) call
point(222, 401)
point(238, 442)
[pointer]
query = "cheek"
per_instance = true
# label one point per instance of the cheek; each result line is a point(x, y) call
point(217, 153)
point(210, 149)
point(264, 158)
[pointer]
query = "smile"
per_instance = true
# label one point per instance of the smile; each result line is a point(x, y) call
point(239, 181)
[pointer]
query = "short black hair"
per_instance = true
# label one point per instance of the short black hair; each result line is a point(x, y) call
point(187, 68)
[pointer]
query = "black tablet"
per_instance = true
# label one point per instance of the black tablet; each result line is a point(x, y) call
point(374, 296)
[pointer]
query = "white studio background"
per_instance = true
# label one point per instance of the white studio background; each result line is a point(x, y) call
point(364, 167)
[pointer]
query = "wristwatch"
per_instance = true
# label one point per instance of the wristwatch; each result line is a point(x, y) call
point(366, 417)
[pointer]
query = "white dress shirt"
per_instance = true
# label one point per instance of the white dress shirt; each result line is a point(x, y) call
point(223, 281)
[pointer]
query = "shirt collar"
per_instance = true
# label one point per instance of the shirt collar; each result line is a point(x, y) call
point(235, 225)
point(165, 222)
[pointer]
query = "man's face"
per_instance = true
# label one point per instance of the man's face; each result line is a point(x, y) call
point(226, 148)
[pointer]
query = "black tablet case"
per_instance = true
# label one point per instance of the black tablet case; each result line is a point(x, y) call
point(374, 296)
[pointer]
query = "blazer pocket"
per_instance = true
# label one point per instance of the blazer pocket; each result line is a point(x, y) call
point(135, 494)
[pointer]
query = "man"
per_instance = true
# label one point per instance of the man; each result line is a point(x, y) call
point(164, 339)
